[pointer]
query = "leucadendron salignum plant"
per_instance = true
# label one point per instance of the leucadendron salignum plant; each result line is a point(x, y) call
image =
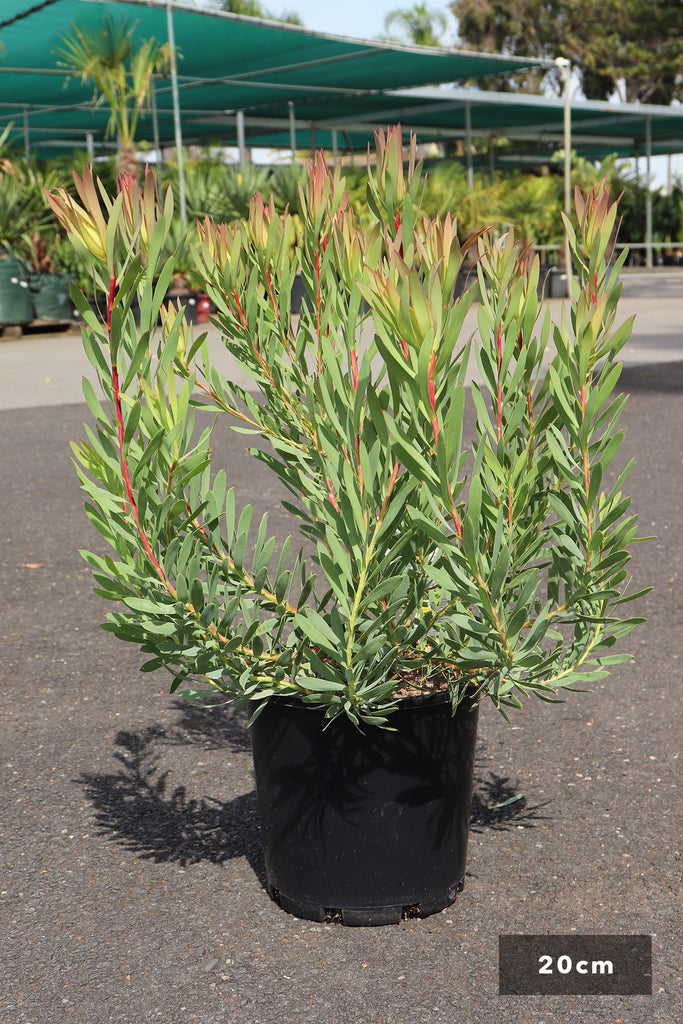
point(487, 558)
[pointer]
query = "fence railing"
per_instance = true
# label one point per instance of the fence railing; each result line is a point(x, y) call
point(673, 251)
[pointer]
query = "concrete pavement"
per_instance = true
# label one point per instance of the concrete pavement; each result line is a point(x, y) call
point(132, 880)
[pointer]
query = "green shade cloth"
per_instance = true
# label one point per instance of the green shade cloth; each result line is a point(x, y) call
point(226, 63)
point(350, 86)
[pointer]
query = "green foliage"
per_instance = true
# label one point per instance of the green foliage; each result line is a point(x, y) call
point(284, 183)
point(530, 28)
point(254, 9)
point(218, 190)
point(633, 49)
point(27, 228)
point(532, 206)
point(497, 564)
point(527, 203)
point(667, 214)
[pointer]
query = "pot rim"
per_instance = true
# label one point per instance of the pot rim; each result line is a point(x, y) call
point(418, 701)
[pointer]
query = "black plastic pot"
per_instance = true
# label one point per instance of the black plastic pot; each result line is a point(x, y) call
point(558, 287)
point(188, 299)
point(50, 296)
point(365, 827)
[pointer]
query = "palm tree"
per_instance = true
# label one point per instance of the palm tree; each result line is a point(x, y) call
point(121, 73)
point(421, 25)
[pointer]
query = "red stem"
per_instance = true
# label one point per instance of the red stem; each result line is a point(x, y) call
point(277, 315)
point(457, 522)
point(239, 308)
point(586, 469)
point(332, 495)
point(110, 303)
point(392, 480)
point(499, 343)
point(354, 370)
point(124, 464)
point(245, 325)
point(317, 300)
point(432, 395)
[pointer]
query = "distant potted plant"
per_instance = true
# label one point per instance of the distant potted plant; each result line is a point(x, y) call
point(450, 561)
point(49, 287)
point(31, 285)
point(21, 207)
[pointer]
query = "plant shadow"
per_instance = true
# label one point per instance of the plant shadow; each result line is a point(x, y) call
point(653, 377)
point(498, 805)
point(136, 807)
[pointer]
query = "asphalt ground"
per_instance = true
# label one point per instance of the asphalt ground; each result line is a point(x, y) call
point(131, 877)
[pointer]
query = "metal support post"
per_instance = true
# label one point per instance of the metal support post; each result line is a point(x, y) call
point(176, 113)
point(468, 147)
point(648, 195)
point(292, 131)
point(27, 138)
point(240, 140)
point(566, 72)
point(155, 129)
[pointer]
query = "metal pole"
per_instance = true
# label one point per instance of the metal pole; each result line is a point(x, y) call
point(240, 139)
point(565, 71)
point(312, 127)
point(292, 131)
point(335, 146)
point(90, 145)
point(176, 113)
point(468, 147)
point(27, 139)
point(648, 195)
point(155, 128)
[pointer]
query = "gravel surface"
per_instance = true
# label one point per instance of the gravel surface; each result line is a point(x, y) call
point(132, 883)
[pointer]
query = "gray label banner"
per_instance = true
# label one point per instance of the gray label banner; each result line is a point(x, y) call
point(535, 965)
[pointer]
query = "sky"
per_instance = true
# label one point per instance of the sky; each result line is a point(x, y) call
point(362, 19)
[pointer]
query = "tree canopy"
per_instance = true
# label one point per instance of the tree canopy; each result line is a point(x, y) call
point(255, 9)
point(631, 48)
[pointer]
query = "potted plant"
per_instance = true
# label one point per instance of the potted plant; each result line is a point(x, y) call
point(49, 286)
point(21, 207)
point(32, 284)
point(452, 557)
